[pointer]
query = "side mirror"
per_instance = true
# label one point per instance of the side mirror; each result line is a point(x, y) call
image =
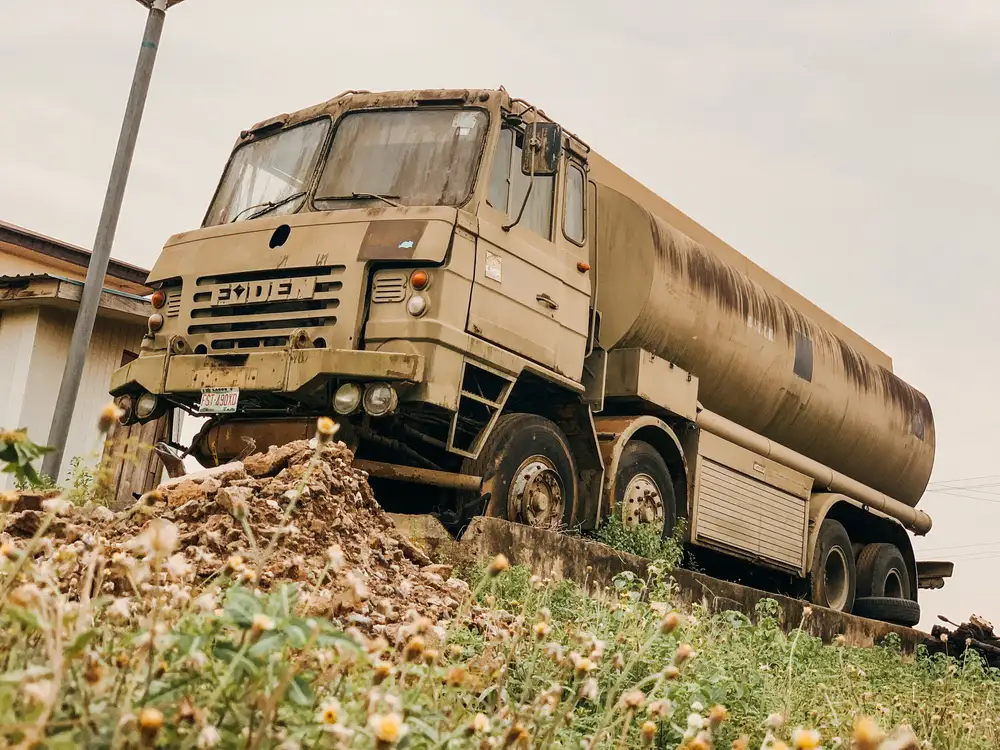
point(542, 148)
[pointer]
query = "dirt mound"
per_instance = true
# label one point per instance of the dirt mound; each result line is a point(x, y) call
point(294, 513)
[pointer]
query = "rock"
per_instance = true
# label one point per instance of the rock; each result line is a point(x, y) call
point(184, 492)
point(439, 569)
point(224, 473)
point(234, 498)
point(270, 463)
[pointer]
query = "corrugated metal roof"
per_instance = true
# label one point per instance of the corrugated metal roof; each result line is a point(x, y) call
point(21, 237)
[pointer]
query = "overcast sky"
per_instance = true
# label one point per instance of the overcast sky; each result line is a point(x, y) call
point(848, 147)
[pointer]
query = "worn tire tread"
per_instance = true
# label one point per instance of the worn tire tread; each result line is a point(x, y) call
point(889, 609)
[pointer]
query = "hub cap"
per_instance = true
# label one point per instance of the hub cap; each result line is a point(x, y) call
point(642, 504)
point(536, 495)
point(835, 577)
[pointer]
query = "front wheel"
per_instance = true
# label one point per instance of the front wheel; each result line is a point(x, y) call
point(644, 491)
point(528, 472)
point(834, 577)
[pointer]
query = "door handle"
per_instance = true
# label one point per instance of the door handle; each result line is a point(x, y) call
point(547, 301)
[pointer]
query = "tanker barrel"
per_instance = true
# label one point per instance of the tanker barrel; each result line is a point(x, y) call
point(765, 357)
point(915, 520)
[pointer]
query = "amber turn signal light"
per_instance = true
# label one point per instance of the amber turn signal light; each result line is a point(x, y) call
point(418, 279)
point(582, 267)
point(159, 297)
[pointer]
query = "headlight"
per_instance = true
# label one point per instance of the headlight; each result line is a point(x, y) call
point(380, 399)
point(155, 322)
point(146, 405)
point(416, 305)
point(127, 404)
point(347, 398)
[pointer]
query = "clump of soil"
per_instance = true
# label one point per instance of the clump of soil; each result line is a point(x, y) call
point(295, 513)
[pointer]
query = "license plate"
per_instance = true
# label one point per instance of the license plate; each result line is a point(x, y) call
point(218, 400)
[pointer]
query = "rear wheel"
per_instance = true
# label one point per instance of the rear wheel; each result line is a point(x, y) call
point(888, 609)
point(528, 472)
point(882, 572)
point(644, 491)
point(834, 575)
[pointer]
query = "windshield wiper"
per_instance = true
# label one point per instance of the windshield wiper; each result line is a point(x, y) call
point(267, 206)
point(363, 196)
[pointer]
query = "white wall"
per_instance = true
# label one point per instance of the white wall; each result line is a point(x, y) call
point(33, 347)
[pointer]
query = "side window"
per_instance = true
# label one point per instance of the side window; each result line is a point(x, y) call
point(574, 221)
point(500, 178)
point(509, 185)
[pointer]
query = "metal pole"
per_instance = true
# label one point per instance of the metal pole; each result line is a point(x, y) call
point(87, 314)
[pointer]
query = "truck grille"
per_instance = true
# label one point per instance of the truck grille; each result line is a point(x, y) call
point(261, 309)
point(389, 287)
point(174, 303)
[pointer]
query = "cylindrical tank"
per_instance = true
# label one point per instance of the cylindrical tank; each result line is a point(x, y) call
point(760, 362)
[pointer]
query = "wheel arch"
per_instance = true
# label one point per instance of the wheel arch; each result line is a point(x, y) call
point(864, 526)
point(617, 432)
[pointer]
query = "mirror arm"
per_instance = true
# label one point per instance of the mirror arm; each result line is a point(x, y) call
point(524, 204)
point(534, 145)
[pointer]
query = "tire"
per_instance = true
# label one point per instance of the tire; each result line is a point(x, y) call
point(888, 609)
point(834, 578)
point(509, 465)
point(642, 468)
point(882, 572)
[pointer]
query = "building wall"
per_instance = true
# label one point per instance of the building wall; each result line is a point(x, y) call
point(28, 392)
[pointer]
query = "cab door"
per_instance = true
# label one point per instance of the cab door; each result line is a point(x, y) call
point(520, 298)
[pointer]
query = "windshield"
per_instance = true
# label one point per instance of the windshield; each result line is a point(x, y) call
point(411, 157)
point(270, 175)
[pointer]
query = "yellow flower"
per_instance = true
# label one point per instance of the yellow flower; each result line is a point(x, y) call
point(717, 715)
point(867, 734)
point(150, 722)
point(670, 623)
point(633, 699)
point(329, 712)
point(260, 624)
point(388, 729)
point(582, 666)
point(498, 566)
point(383, 670)
point(455, 677)
point(805, 739)
point(480, 724)
point(648, 731)
point(110, 414)
point(414, 648)
point(683, 653)
point(542, 629)
point(326, 428)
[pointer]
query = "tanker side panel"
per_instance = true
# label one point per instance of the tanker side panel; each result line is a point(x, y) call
point(605, 173)
point(759, 361)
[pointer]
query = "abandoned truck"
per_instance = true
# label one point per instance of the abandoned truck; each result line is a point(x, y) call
point(496, 313)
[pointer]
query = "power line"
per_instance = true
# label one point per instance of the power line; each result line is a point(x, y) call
point(966, 479)
point(954, 493)
point(959, 546)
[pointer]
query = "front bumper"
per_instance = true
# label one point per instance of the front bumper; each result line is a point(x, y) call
point(284, 371)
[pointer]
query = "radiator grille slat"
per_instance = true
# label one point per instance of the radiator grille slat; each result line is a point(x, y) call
point(389, 287)
point(173, 305)
point(283, 300)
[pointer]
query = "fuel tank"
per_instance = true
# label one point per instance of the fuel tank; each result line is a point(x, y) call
point(768, 361)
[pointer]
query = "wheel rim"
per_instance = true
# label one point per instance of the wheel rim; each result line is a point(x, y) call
point(894, 585)
point(642, 504)
point(536, 495)
point(835, 578)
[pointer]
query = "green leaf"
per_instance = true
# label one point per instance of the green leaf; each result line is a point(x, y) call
point(241, 605)
point(80, 643)
point(24, 617)
point(268, 643)
point(300, 692)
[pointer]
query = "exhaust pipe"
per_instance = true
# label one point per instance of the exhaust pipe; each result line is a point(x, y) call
point(915, 520)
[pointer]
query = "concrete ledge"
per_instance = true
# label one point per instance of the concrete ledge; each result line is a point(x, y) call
point(559, 556)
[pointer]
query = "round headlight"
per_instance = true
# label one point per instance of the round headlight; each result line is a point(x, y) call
point(380, 399)
point(416, 305)
point(155, 322)
point(127, 404)
point(347, 398)
point(145, 405)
